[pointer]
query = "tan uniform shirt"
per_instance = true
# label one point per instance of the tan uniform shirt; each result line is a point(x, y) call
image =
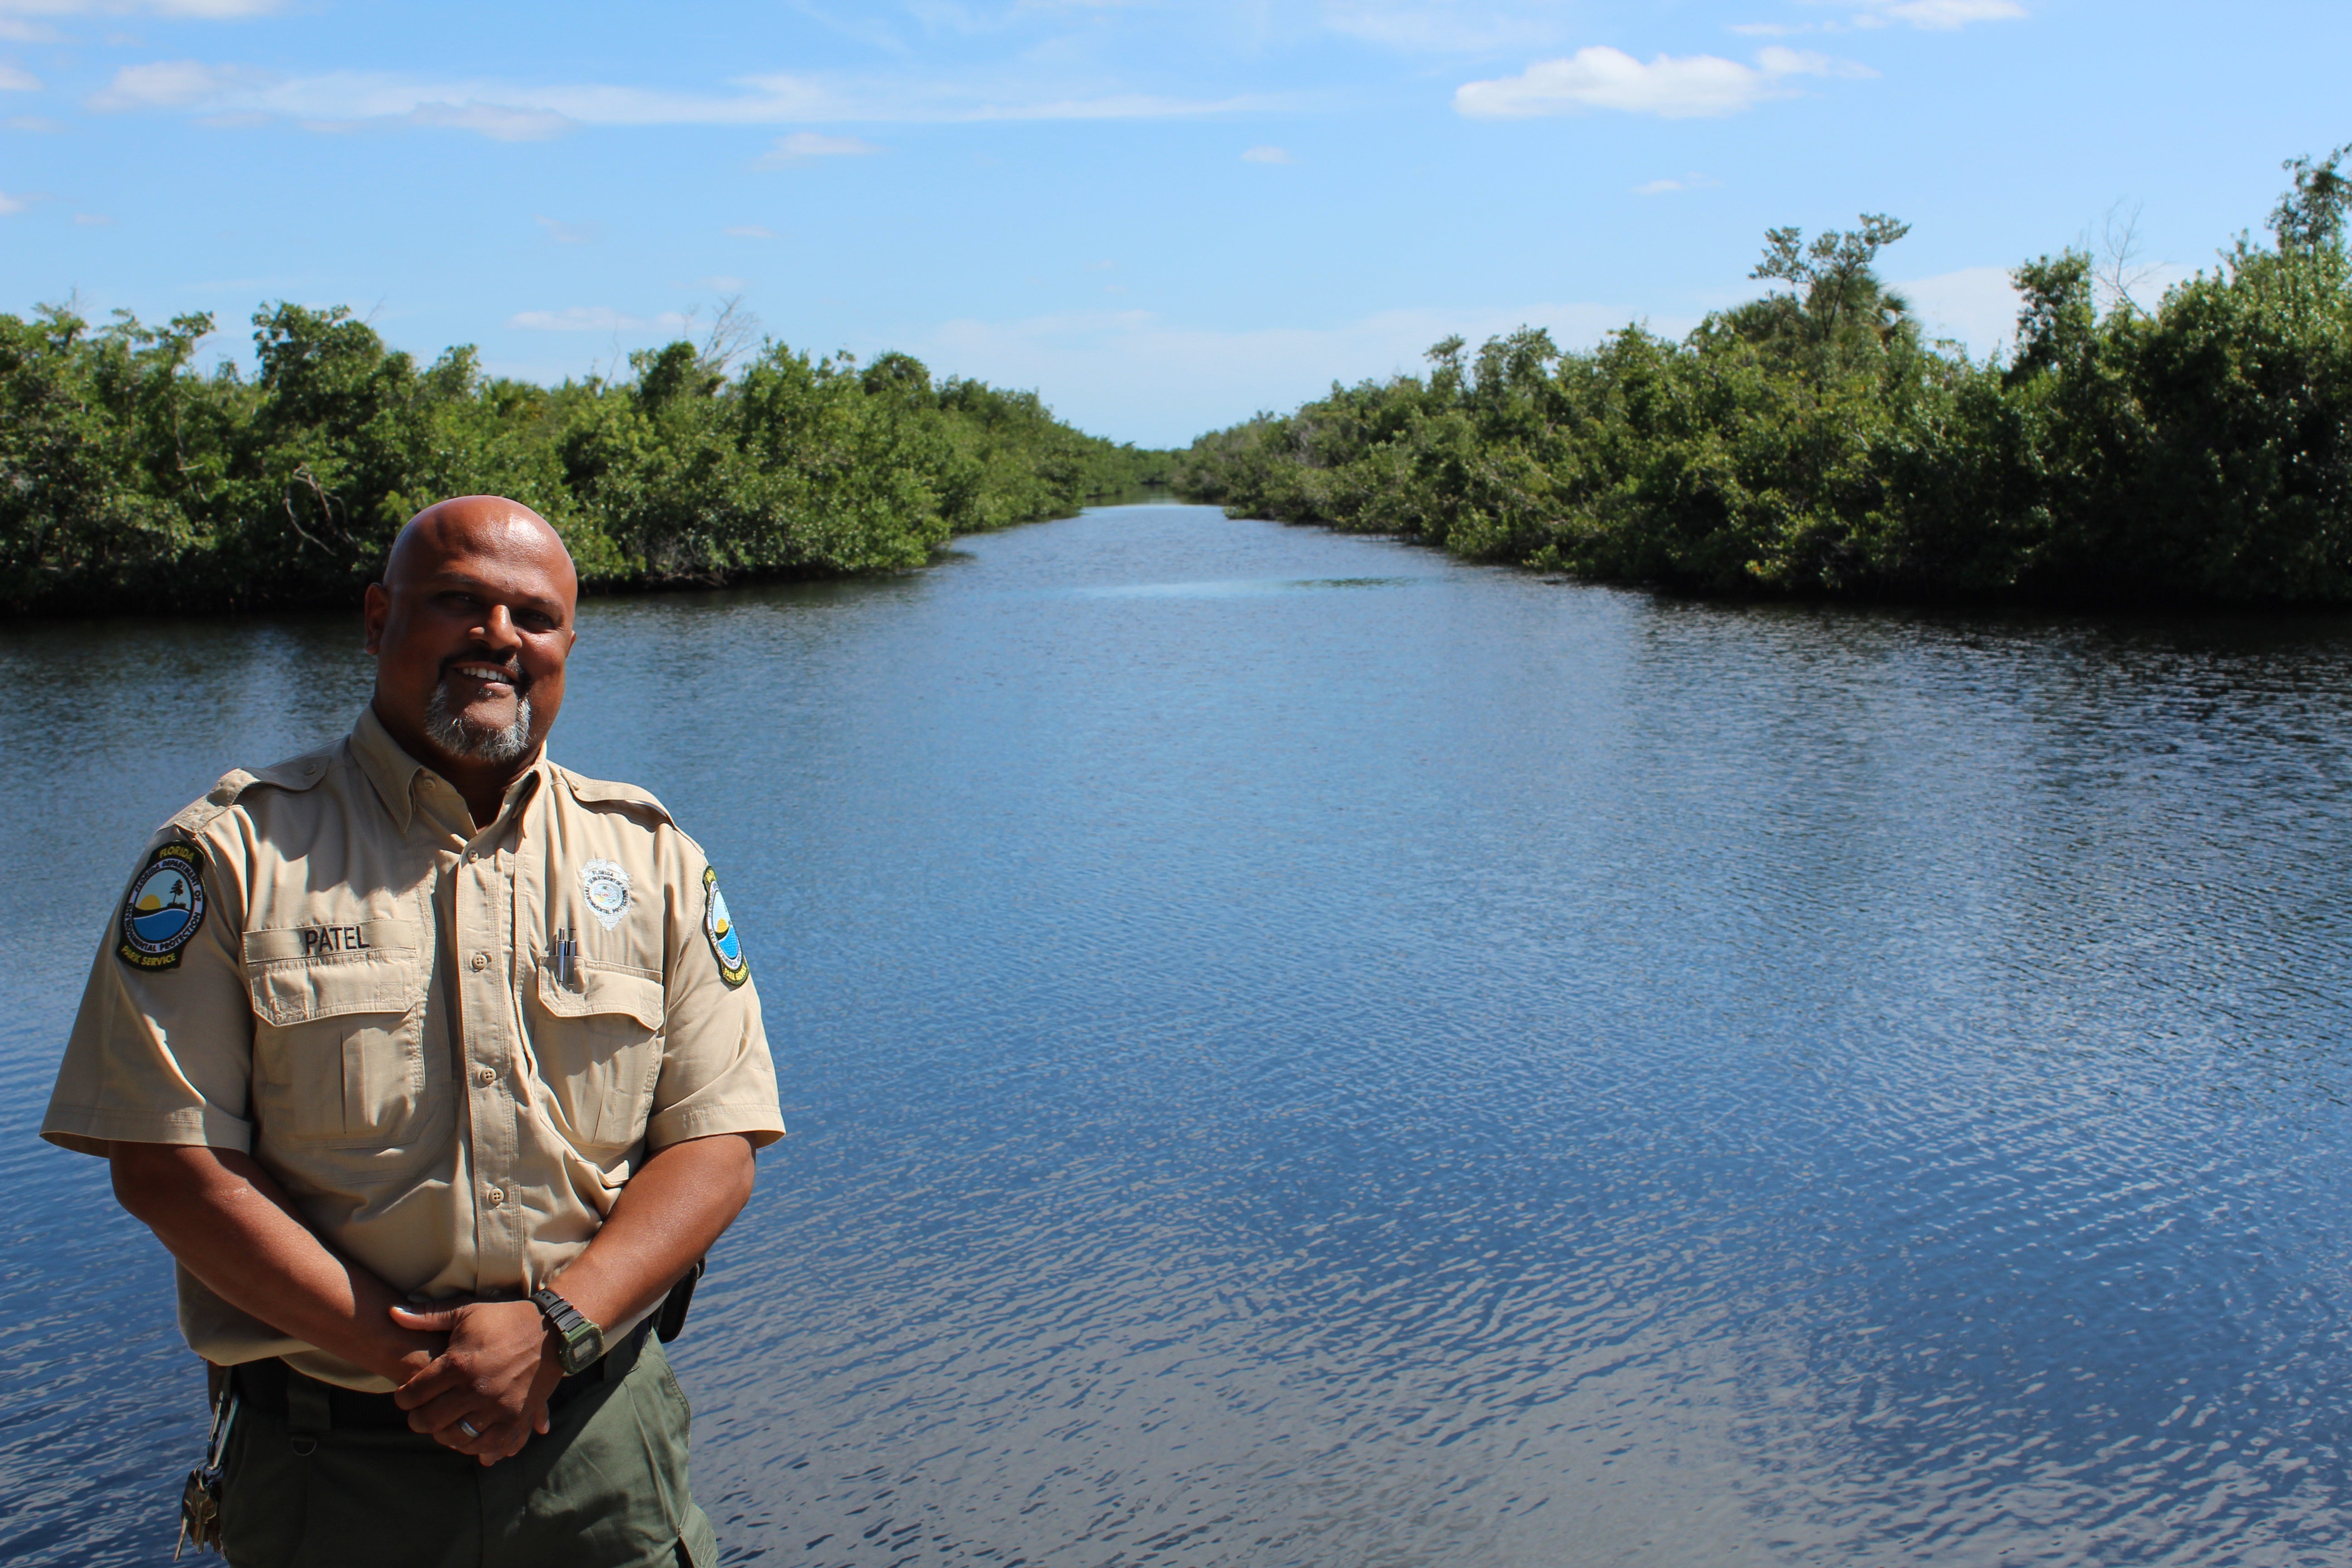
point(326, 965)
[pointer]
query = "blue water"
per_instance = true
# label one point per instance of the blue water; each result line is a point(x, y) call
point(1300, 1051)
point(160, 925)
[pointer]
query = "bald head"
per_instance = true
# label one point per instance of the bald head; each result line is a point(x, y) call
point(488, 525)
point(470, 627)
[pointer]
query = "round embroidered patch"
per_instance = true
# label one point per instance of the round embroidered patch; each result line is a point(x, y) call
point(165, 908)
point(606, 887)
point(726, 945)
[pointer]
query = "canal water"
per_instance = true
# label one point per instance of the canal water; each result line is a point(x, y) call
point(1302, 1051)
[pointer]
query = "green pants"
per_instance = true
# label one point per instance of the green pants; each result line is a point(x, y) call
point(605, 1489)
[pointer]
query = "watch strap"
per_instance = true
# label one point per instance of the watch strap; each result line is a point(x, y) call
point(582, 1342)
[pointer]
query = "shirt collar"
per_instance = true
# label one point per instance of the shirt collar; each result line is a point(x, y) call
point(393, 774)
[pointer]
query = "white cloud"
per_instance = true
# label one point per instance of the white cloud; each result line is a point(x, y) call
point(1685, 182)
point(9, 204)
point(17, 32)
point(344, 98)
point(38, 124)
point(1939, 16)
point(1976, 306)
point(803, 146)
point(1268, 155)
point(569, 234)
point(12, 79)
point(751, 231)
point(597, 319)
point(1685, 88)
point(92, 220)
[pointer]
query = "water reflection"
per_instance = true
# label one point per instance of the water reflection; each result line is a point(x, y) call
point(1501, 1072)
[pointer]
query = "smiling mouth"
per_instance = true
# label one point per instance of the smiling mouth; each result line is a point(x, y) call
point(491, 677)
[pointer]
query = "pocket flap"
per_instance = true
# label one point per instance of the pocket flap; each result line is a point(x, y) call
point(299, 991)
point(604, 988)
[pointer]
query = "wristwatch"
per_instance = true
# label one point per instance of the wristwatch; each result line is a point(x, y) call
point(580, 1341)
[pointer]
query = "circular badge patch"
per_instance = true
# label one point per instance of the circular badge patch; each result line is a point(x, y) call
point(165, 908)
point(605, 887)
point(726, 945)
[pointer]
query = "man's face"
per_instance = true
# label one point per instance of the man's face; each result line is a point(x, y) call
point(470, 629)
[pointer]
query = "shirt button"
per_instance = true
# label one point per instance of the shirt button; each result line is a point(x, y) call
point(481, 962)
point(488, 1075)
point(495, 1196)
point(472, 855)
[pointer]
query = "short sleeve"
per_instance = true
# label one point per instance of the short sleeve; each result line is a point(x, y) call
point(715, 1073)
point(162, 1048)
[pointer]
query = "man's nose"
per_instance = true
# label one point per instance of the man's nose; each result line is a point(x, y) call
point(498, 629)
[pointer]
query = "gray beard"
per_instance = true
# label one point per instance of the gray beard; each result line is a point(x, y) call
point(450, 731)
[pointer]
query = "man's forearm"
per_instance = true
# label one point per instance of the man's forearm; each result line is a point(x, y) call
point(232, 1226)
point(668, 1216)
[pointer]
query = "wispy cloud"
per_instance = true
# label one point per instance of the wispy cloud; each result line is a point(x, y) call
point(597, 319)
point(1450, 28)
point(1685, 88)
point(1094, 361)
point(1938, 16)
point(512, 112)
point(15, 79)
point(1976, 306)
point(9, 204)
point(498, 121)
point(1268, 155)
point(92, 220)
point(806, 146)
point(1683, 182)
point(181, 10)
point(178, 84)
point(40, 125)
point(569, 232)
point(1934, 15)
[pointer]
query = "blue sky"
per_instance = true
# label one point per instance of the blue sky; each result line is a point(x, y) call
point(1164, 216)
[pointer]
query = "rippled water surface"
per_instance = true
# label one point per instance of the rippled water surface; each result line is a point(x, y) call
point(1302, 1052)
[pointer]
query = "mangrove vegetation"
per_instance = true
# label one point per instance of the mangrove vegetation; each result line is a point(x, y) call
point(2197, 451)
point(130, 480)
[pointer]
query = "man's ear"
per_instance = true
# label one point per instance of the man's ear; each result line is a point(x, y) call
point(373, 613)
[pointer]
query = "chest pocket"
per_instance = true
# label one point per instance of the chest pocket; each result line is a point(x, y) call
point(599, 1048)
point(339, 1034)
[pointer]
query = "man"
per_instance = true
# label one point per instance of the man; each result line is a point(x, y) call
point(435, 1066)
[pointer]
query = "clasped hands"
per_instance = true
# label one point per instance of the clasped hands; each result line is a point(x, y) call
point(493, 1374)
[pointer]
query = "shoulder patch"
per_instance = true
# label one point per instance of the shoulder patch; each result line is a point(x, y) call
point(164, 908)
point(726, 943)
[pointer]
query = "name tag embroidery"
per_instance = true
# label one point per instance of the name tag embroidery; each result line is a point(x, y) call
point(316, 940)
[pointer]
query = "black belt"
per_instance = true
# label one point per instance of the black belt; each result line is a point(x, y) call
point(274, 1386)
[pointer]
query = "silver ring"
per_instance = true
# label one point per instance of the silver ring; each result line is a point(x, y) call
point(467, 1428)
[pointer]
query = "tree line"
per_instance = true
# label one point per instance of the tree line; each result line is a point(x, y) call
point(131, 481)
point(1812, 442)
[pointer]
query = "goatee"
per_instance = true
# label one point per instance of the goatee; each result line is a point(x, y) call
point(476, 742)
